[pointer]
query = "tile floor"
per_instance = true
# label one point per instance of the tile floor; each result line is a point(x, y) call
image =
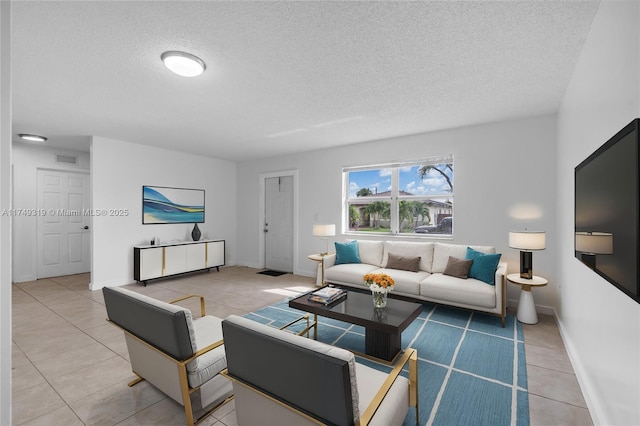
point(70, 367)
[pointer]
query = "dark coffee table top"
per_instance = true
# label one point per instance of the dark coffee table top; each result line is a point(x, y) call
point(357, 308)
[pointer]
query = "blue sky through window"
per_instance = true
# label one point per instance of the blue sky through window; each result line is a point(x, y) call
point(378, 180)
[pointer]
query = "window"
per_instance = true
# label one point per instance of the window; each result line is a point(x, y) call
point(412, 198)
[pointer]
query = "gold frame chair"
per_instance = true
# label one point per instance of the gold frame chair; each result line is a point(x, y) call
point(409, 356)
point(321, 391)
point(169, 382)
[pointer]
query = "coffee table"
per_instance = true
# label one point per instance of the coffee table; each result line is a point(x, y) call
point(383, 327)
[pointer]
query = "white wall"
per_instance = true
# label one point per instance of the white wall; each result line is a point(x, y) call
point(118, 172)
point(27, 159)
point(504, 179)
point(600, 324)
point(5, 221)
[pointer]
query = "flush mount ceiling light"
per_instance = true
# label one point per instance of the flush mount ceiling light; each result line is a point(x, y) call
point(33, 138)
point(182, 63)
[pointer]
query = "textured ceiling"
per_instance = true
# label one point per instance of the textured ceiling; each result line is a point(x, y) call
point(286, 77)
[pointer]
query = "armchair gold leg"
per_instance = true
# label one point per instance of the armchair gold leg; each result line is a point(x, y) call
point(413, 384)
point(186, 396)
point(210, 412)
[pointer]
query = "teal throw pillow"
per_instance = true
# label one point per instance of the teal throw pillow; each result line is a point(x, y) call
point(484, 266)
point(347, 252)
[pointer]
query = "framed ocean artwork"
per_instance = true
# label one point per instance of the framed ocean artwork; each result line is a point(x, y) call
point(172, 205)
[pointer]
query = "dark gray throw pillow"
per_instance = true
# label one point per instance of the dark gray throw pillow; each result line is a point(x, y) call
point(458, 268)
point(403, 263)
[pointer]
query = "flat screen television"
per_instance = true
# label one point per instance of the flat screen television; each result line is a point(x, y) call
point(607, 223)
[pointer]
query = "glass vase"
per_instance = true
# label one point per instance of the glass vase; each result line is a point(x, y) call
point(379, 299)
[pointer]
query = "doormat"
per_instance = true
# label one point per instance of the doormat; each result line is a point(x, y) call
point(272, 273)
point(471, 370)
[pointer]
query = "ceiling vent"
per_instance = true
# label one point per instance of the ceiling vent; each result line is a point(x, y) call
point(67, 159)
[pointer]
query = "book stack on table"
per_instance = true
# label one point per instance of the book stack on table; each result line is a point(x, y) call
point(327, 295)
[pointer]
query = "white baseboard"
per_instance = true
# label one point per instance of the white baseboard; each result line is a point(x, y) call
point(303, 273)
point(594, 406)
point(248, 265)
point(585, 386)
point(24, 279)
point(296, 271)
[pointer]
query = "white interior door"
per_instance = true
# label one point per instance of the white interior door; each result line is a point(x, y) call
point(278, 226)
point(63, 232)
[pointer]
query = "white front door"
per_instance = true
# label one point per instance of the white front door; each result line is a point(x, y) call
point(63, 231)
point(278, 226)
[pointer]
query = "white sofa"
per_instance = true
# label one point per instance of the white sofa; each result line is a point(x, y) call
point(429, 282)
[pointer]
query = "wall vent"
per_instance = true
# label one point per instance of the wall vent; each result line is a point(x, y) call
point(67, 159)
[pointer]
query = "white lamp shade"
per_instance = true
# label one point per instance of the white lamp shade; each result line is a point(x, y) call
point(324, 230)
point(527, 240)
point(594, 242)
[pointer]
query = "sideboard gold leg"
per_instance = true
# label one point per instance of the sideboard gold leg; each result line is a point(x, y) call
point(135, 381)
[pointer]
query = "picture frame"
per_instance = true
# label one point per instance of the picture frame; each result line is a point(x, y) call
point(166, 205)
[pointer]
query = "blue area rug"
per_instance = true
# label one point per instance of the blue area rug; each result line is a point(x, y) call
point(471, 371)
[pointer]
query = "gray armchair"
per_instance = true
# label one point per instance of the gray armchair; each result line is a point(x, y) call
point(284, 379)
point(176, 353)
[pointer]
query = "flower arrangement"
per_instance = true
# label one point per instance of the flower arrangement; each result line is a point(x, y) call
point(381, 283)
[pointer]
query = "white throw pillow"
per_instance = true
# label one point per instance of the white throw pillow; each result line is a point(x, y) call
point(370, 252)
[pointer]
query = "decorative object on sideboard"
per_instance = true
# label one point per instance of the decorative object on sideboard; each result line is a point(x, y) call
point(195, 233)
point(324, 232)
point(589, 244)
point(527, 241)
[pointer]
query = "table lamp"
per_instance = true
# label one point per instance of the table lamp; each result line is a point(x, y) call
point(592, 243)
point(324, 231)
point(527, 241)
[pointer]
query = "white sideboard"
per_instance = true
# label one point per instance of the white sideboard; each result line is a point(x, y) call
point(158, 261)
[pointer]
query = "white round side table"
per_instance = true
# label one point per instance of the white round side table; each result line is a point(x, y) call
point(526, 307)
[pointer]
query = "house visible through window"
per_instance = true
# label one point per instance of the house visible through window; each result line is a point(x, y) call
point(413, 198)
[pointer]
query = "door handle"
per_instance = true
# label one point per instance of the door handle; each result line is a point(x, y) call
point(85, 227)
